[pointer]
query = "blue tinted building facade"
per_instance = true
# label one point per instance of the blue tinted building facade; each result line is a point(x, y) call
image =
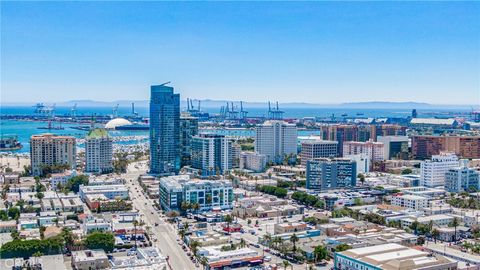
point(325, 174)
point(164, 130)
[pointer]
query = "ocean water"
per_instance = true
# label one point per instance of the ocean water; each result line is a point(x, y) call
point(253, 112)
point(25, 129)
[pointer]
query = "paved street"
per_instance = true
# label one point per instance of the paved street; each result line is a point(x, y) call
point(165, 233)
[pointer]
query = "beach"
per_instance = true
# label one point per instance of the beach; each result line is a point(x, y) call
point(15, 162)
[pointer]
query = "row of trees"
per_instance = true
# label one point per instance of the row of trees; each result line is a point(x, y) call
point(188, 206)
point(27, 248)
point(307, 199)
point(463, 201)
point(292, 184)
point(47, 170)
point(273, 190)
point(100, 240)
point(54, 245)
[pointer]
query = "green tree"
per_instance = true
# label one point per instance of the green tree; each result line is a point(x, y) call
point(194, 246)
point(100, 240)
point(26, 248)
point(414, 226)
point(286, 264)
point(455, 223)
point(320, 253)
point(14, 212)
point(228, 219)
point(39, 195)
point(294, 240)
point(342, 247)
point(361, 178)
point(15, 235)
point(3, 215)
point(435, 234)
point(75, 182)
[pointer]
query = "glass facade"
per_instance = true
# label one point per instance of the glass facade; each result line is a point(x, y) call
point(164, 130)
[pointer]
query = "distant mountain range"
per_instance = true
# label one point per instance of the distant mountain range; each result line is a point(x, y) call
point(209, 103)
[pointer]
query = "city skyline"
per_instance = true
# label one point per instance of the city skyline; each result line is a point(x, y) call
point(321, 53)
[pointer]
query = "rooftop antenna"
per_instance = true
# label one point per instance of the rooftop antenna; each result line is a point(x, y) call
point(199, 105)
point(188, 105)
point(163, 84)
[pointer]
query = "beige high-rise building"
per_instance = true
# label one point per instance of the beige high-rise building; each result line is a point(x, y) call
point(49, 149)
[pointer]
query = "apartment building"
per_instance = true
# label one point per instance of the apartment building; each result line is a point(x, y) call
point(49, 150)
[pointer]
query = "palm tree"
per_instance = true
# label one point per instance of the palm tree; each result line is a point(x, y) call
point(182, 233)
point(185, 206)
point(267, 238)
point(195, 207)
point(278, 241)
point(455, 223)
point(414, 226)
point(242, 243)
point(435, 234)
point(228, 219)
point(286, 264)
point(36, 255)
point(135, 224)
point(203, 261)
point(294, 240)
point(194, 246)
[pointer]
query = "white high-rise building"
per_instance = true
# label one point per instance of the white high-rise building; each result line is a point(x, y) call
point(462, 178)
point(50, 150)
point(252, 161)
point(212, 154)
point(363, 162)
point(276, 139)
point(98, 152)
point(432, 172)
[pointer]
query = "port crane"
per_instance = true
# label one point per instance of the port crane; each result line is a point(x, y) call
point(115, 111)
point(274, 113)
point(73, 111)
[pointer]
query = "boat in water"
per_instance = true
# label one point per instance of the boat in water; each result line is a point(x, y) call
point(51, 126)
point(10, 143)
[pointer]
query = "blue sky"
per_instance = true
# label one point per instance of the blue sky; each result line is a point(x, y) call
point(317, 52)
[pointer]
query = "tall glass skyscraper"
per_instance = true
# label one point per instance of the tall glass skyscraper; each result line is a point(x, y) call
point(164, 130)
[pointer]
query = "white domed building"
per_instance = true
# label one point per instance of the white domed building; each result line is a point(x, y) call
point(117, 122)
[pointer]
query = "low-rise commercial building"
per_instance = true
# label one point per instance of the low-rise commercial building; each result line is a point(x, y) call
point(110, 191)
point(391, 257)
point(291, 227)
point(89, 259)
point(265, 207)
point(437, 220)
point(232, 258)
point(410, 201)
